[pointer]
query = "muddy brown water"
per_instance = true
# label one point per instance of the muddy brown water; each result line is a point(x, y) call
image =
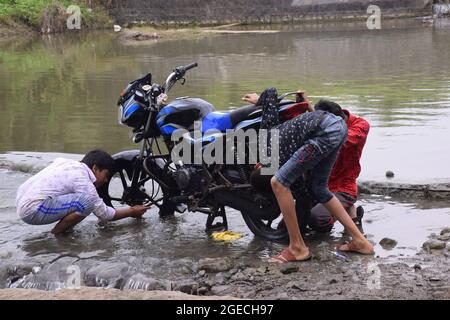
point(58, 94)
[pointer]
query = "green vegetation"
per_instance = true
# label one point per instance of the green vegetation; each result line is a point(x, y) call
point(31, 12)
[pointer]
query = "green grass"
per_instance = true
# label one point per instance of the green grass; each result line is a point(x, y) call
point(30, 12)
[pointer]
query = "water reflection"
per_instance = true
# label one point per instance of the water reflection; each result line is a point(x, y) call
point(59, 93)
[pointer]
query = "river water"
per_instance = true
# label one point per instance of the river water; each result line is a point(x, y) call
point(59, 93)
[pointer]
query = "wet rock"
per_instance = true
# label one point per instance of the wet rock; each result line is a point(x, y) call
point(387, 243)
point(434, 279)
point(324, 256)
point(203, 290)
point(5, 254)
point(222, 290)
point(249, 271)
point(300, 286)
point(434, 245)
point(445, 231)
point(333, 281)
point(106, 275)
point(389, 174)
point(189, 287)
point(288, 268)
point(262, 269)
point(141, 282)
point(239, 276)
point(20, 270)
point(282, 296)
point(36, 269)
point(444, 237)
point(201, 273)
point(140, 36)
point(215, 264)
point(417, 267)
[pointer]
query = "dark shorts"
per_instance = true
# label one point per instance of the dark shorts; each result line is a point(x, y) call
point(318, 155)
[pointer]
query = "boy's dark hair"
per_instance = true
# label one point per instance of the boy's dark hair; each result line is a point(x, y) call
point(99, 158)
point(330, 107)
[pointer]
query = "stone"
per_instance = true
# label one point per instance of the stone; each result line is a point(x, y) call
point(387, 243)
point(187, 287)
point(434, 245)
point(389, 174)
point(282, 296)
point(445, 231)
point(434, 279)
point(417, 267)
point(222, 290)
point(202, 290)
point(106, 275)
point(262, 269)
point(215, 264)
point(289, 268)
point(444, 237)
point(4, 254)
point(201, 273)
point(333, 281)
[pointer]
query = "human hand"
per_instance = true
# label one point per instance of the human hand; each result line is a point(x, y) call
point(138, 211)
point(251, 98)
point(302, 96)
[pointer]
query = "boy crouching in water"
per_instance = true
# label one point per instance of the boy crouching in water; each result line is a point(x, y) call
point(65, 192)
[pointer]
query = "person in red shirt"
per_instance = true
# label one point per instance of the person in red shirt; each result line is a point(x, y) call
point(342, 181)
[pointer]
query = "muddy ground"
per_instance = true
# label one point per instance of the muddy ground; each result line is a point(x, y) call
point(327, 276)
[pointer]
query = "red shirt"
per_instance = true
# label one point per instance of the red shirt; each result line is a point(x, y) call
point(347, 167)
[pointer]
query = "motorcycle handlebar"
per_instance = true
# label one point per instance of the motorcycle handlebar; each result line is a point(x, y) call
point(190, 66)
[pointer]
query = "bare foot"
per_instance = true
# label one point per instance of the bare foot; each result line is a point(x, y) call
point(363, 247)
point(287, 256)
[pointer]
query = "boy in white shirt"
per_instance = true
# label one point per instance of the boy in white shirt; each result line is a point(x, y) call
point(65, 192)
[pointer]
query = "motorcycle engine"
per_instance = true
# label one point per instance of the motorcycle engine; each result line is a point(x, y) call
point(190, 179)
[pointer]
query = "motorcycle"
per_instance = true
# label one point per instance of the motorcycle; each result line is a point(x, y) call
point(150, 176)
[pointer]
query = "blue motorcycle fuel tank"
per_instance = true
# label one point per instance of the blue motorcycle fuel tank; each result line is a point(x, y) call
point(182, 113)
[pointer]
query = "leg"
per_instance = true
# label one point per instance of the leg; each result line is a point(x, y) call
point(359, 243)
point(68, 209)
point(297, 246)
point(321, 220)
point(332, 142)
point(69, 221)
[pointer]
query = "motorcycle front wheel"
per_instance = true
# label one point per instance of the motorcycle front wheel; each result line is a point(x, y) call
point(117, 192)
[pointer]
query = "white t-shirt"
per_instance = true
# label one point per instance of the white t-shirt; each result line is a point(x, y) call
point(63, 176)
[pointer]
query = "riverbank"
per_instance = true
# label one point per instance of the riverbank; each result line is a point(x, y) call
point(50, 16)
point(89, 293)
point(345, 277)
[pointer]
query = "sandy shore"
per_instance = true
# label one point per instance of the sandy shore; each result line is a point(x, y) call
point(90, 293)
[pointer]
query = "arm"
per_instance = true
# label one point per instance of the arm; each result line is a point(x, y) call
point(82, 184)
point(269, 102)
point(132, 212)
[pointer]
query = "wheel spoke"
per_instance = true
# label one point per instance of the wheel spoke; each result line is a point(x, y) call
point(124, 181)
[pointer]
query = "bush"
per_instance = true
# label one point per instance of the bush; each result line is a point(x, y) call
point(40, 13)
